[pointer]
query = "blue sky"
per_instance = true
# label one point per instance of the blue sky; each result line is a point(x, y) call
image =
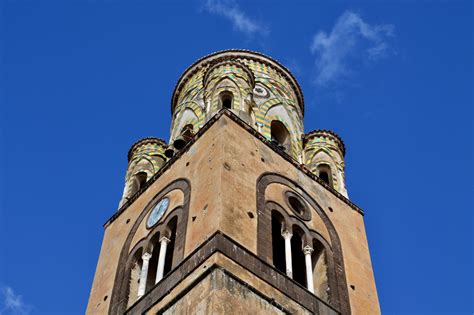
point(81, 81)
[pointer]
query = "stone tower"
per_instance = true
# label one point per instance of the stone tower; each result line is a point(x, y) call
point(242, 212)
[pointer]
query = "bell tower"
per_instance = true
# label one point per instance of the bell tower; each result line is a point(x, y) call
point(241, 212)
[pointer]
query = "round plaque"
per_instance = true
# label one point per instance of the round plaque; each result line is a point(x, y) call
point(157, 212)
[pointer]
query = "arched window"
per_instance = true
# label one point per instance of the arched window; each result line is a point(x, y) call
point(153, 265)
point(188, 129)
point(278, 243)
point(226, 99)
point(280, 135)
point(184, 137)
point(172, 225)
point(137, 182)
point(134, 277)
point(324, 172)
point(320, 271)
point(297, 256)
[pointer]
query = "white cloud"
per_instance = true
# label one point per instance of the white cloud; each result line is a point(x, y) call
point(351, 37)
point(231, 11)
point(13, 303)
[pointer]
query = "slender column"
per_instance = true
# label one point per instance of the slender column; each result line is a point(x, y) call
point(307, 250)
point(143, 274)
point(289, 267)
point(161, 259)
point(259, 127)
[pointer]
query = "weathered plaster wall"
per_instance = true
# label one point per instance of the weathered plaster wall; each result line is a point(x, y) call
point(218, 293)
point(223, 166)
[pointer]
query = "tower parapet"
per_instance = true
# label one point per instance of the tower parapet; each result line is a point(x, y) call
point(324, 153)
point(145, 158)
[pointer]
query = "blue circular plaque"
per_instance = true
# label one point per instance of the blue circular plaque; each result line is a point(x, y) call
point(157, 212)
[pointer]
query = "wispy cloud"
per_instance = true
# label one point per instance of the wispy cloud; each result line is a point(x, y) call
point(13, 303)
point(350, 38)
point(239, 19)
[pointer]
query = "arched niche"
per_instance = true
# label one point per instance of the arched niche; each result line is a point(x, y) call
point(339, 295)
point(120, 291)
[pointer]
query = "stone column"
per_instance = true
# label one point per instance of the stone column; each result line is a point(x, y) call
point(143, 274)
point(289, 267)
point(161, 259)
point(307, 250)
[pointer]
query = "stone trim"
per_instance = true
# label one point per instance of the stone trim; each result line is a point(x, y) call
point(223, 244)
point(306, 216)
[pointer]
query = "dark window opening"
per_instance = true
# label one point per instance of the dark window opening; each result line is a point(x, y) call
point(280, 135)
point(153, 264)
point(324, 172)
point(136, 183)
point(141, 179)
point(296, 205)
point(297, 256)
point(170, 248)
point(324, 176)
point(187, 132)
point(226, 99)
point(278, 243)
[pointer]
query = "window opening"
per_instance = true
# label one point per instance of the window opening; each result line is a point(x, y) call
point(226, 99)
point(280, 135)
point(320, 271)
point(141, 179)
point(324, 172)
point(297, 256)
point(296, 205)
point(170, 248)
point(278, 243)
point(134, 277)
point(153, 264)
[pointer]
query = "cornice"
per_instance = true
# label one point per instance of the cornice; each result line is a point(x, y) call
point(257, 135)
point(231, 54)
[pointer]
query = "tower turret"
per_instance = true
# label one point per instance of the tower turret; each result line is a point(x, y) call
point(145, 158)
point(324, 154)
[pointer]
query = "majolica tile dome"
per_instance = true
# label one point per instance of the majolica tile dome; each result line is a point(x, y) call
point(253, 86)
point(261, 92)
